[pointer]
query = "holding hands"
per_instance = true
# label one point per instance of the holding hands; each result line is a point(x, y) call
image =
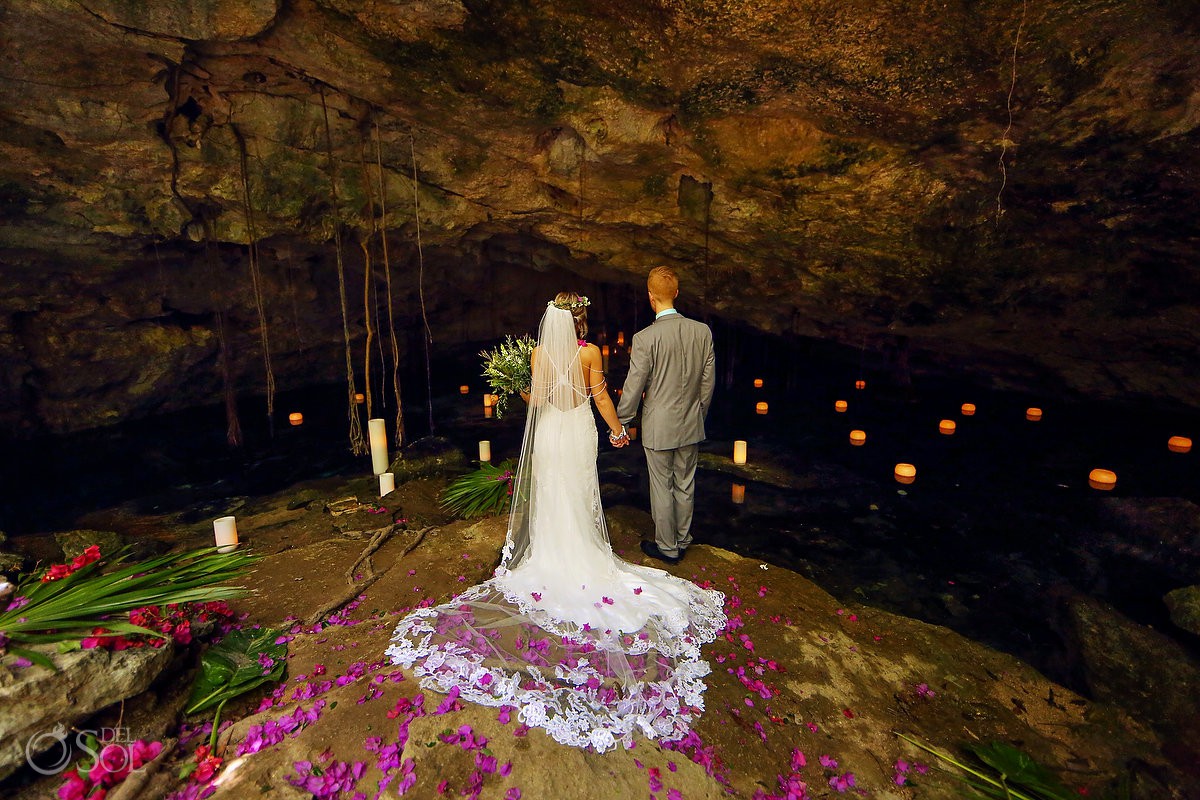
point(619, 439)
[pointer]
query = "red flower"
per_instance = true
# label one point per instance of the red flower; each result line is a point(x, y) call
point(56, 572)
point(90, 554)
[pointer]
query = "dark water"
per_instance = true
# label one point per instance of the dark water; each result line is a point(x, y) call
point(998, 525)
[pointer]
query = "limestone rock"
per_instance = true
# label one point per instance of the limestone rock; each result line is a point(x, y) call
point(426, 458)
point(1163, 690)
point(1184, 605)
point(35, 702)
point(222, 20)
point(11, 562)
point(835, 168)
point(75, 542)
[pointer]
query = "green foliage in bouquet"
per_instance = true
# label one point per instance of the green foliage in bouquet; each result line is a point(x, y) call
point(66, 602)
point(1000, 771)
point(507, 369)
point(488, 490)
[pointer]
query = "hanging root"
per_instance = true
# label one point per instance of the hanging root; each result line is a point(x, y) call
point(357, 445)
point(387, 273)
point(421, 282)
point(1008, 104)
point(256, 276)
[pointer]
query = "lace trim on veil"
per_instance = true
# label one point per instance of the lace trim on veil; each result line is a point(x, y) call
point(579, 700)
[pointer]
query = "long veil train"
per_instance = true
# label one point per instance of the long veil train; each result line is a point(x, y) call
point(579, 642)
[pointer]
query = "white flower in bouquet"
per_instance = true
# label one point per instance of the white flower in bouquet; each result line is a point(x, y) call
point(507, 369)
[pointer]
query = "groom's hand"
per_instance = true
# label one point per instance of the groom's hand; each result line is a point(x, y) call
point(619, 439)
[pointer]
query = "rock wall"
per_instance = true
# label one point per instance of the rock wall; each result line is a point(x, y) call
point(1007, 186)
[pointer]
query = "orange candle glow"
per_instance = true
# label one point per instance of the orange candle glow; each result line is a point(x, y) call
point(464, 389)
point(840, 406)
point(947, 427)
point(968, 409)
point(739, 493)
point(1102, 479)
point(296, 418)
point(1033, 414)
point(905, 473)
point(760, 408)
point(858, 438)
point(1179, 444)
point(860, 384)
point(758, 383)
point(360, 398)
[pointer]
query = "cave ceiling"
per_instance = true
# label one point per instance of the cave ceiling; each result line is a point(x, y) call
point(1000, 183)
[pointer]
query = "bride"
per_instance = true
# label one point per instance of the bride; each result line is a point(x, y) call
point(581, 643)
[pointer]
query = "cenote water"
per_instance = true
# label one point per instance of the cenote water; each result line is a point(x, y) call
point(999, 525)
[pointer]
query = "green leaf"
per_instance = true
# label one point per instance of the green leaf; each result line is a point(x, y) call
point(482, 492)
point(231, 667)
point(1017, 767)
point(70, 607)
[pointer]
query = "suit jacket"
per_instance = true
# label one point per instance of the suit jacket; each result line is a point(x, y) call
point(672, 361)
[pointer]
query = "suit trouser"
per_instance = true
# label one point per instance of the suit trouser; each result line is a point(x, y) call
point(672, 495)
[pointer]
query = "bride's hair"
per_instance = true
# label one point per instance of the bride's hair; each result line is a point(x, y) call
point(571, 302)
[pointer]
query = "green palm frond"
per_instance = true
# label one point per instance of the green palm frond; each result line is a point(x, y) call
point(487, 490)
point(68, 608)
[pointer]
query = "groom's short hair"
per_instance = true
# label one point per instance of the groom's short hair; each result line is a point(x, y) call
point(663, 283)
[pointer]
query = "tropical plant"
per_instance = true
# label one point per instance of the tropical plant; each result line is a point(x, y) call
point(1002, 772)
point(241, 661)
point(487, 490)
point(66, 602)
point(507, 369)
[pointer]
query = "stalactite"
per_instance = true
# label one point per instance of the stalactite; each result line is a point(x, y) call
point(1004, 140)
point(387, 274)
point(256, 277)
point(357, 445)
point(412, 148)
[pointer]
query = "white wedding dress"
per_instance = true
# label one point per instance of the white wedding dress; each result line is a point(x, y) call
point(579, 642)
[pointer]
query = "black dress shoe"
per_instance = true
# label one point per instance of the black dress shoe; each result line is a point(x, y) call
point(651, 549)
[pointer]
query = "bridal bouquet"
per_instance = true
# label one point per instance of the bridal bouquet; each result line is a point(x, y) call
point(507, 369)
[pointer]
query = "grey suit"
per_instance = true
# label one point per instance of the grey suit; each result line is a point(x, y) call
point(672, 361)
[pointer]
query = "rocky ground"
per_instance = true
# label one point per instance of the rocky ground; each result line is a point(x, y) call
point(803, 688)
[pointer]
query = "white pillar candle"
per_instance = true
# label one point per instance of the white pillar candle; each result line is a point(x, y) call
point(379, 455)
point(485, 450)
point(225, 531)
point(387, 483)
point(739, 451)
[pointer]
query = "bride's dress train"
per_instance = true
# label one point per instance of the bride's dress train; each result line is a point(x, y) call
point(579, 642)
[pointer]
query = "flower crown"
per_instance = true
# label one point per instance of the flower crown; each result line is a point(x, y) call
point(570, 305)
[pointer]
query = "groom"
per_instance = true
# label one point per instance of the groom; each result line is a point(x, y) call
point(671, 361)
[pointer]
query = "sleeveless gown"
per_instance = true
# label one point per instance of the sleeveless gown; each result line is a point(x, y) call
point(581, 643)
